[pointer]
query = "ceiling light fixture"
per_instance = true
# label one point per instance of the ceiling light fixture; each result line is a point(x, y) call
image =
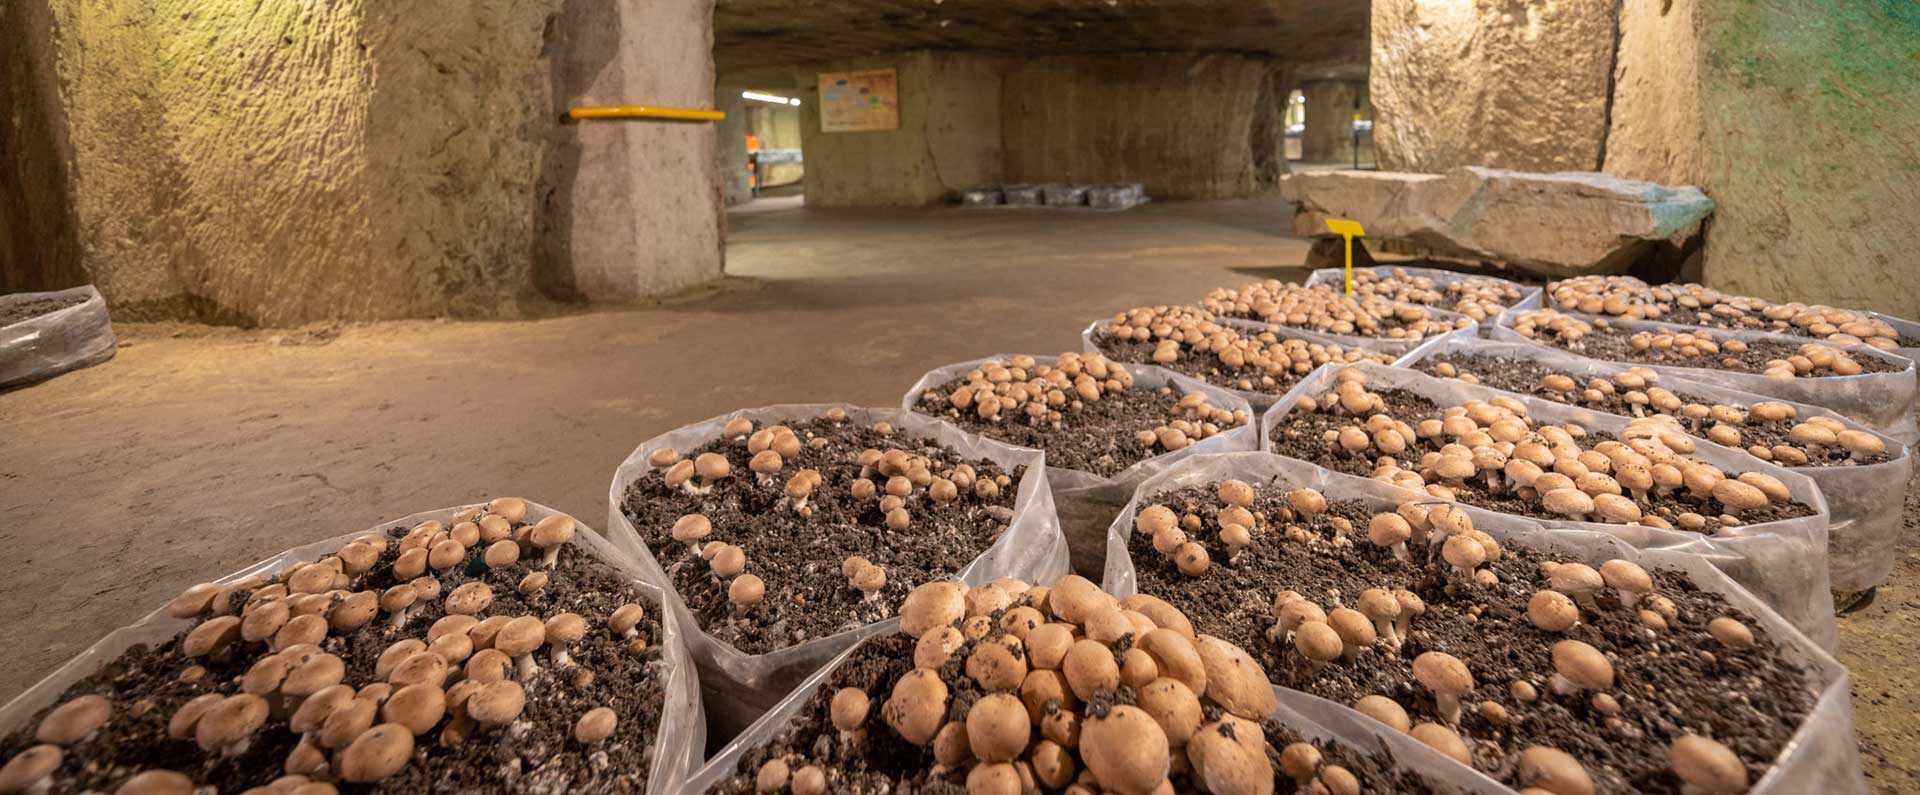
point(768, 98)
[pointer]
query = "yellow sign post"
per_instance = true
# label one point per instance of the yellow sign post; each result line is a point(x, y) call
point(1347, 230)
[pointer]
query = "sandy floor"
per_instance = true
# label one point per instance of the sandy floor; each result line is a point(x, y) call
point(197, 451)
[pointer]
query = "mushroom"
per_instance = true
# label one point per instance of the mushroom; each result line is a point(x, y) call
point(1737, 497)
point(561, 631)
point(73, 721)
point(228, 726)
point(595, 725)
point(496, 703)
point(27, 771)
point(1706, 766)
point(1125, 750)
point(156, 782)
point(1225, 764)
point(1385, 710)
point(1577, 580)
point(1448, 678)
point(1552, 611)
point(1731, 633)
point(1579, 666)
point(1569, 502)
point(1444, 740)
point(625, 621)
point(1090, 667)
point(1355, 630)
point(1628, 579)
point(1319, 643)
point(1301, 762)
point(377, 753)
point(1464, 553)
point(917, 707)
point(550, 534)
point(1390, 530)
point(931, 606)
point(746, 591)
point(849, 712)
point(1553, 771)
point(418, 707)
point(1172, 705)
point(1381, 608)
point(998, 728)
point(518, 639)
point(1235, 681)
point(469, 599)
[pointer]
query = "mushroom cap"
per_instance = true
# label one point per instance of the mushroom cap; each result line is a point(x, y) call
point(1307, 501)
point(1385, 710)
point(1552, 611)
point(1444, 740)
point(1463, 551)
point(1706, 765)
point(1731, 633)
point(998, 727)
point(377, 753)
point(1582, 664)
point(1176, 656)
point(1573, 578)
point(711, 466)
point(426, 666)
point(1387, 529)
point(1317, 641)
point(70, 722)
point(1236, 492)
point(1074, 596)
point(1861, 443)
point(417, 706)
point(1769, 485)
point(1378, 605)
point(1737, 496)
point(1047, 645)
point(496, 703)
point(990, 778)
point(931, 606)
point(233, 719)
point(565, 628)
point(28, 767)
point(849, 708)
point(1090, 667)
point(1553, 770)
point(918, 706)
point(1161, 613)
point(156, 782)
point(1125, 750)
point(211, 636)
point(469, 598)
point(1174, 706)
point(595, 725)
point(1568, 502)
point(317, 673)
point(1442, 673)
point(1235, 681)
point(627, 617)
point(746, 590)
point(1225, 764)
point(691, 527)
point(1625, 575)
point(520, 636)
point(1354, 628)
point(1153, 519)
point(552, 531)
point(996, 665)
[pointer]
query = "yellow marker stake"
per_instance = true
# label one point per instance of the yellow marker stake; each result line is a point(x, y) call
point(1347, 230)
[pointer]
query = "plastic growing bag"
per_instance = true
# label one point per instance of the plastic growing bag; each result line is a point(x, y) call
point(679, 741)
point(1388, 345)
point(1095, 332)
point(1122, 196)
point(1313, 718)
point(1866, 502)
point(981, 197)
point(1086, 543)
point(1782, 562)
point(1822, 756)
point(1064, 195)
point(1881, 401)
point(44, 346)
point(1530, 297)
point(1021, 195)
point(740, 686)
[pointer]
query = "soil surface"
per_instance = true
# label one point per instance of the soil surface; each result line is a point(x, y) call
point(1614, 345)
point(1302, 435)
point(882, 762)
point(145, 687)
point(799, 558)
point(1667, 683)
point(1099, 437)
point(1208, 368)
point(1681, 315)
point(15, 311)
point(1524, 376)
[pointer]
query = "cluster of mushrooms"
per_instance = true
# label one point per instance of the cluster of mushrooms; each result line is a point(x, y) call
point(465, 678)
point(1325, 308)
point(1477, 297)
point(1626, 296)
point(1347, 630)
point(1045, 395)
point(1077, 692)
point(1815, 441)
point(1191, 341)
point(896, 480)
point(1646, 478)
point(1685, 348)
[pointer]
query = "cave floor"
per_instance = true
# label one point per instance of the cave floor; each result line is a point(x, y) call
point(199, 450)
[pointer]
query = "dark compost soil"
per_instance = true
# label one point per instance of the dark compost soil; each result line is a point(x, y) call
point(1302, 435)
point(15, 312)
point(1097, 438)
point(1207, 367)
point(145, 688)
point(884, 763)
point(1614, 344)
point(800, 558)
point(1524, 376)
point(1667, 683)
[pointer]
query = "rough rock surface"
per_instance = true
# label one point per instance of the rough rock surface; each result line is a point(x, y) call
point(1330, 106)
point(1518, 84)
point(1552, 223)
point(1797, 117)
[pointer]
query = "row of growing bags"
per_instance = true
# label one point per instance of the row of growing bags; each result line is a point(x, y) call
point(1865, 501)
point(741, 685)
point(1821, 754)
point(1087, 542)
point(674, 749)
point(1517, 296)
point(49, 344)
point(1097, 337)
point(1782, 562)
point(1883, 401)
point(1232, 310)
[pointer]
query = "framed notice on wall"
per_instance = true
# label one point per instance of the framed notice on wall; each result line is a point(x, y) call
point(859, 101)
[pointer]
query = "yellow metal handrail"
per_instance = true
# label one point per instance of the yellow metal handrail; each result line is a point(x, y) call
point(643, 112)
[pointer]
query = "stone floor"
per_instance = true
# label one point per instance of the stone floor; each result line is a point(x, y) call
point(197, 451)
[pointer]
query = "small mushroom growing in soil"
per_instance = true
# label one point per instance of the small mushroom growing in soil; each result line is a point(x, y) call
point(1553, 771)
point(550, 534)
point(1390, 530)
point(562, 631)
point(1381, 608)
point(1385, 710)
point(1444, 740)
point(1731, 633)
point(1552, 611)
point(917, 707)
point(1577, 580)
point(73, 721)
point(1579, 666)
point(1448, 678)
point(228, 726)
point(1319, 643)
point(1628, 579)
point(1355, 630)
point(1464, 553)
point(1738, 497)
point(849, 713)
point(518, 639)
point(595, 725)
point(746, 591)
point(932, 606)
point(1125, 750)
point(1706, 766)
point(28, 770)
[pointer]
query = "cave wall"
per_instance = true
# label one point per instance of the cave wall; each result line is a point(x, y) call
point(1331, 106)
point(948, 139)
point(1183, 124)
point(730, 147)
point(778, 127)
point(39, 240)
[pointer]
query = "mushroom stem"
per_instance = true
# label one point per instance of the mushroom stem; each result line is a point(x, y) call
point(1449, 707)
point(553, 556)
point(525, 667)
point(1388, 632)
point(559, 657)
point(1400, 552)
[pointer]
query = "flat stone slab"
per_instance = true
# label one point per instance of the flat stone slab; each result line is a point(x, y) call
point(1558, 224)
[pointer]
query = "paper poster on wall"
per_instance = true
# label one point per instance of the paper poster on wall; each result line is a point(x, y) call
point(859, 101)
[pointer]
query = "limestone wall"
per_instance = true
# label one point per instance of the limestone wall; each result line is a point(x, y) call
point(1518, 84)
point(39, 240)
point(730, 146)
point(948, 140)
point(1183, 124)
point(1331, 106)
